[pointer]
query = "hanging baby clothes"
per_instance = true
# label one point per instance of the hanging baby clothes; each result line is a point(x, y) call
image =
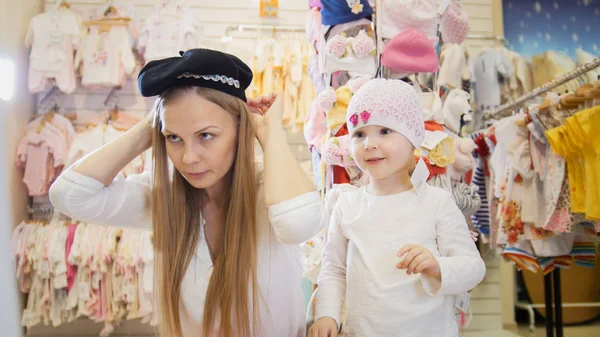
point(106, 58)
point(42, 152)
point(52, 37)
point(91, 140)
point(489, 66)
point(454, 66)
point(170, 28)
point(74, 270)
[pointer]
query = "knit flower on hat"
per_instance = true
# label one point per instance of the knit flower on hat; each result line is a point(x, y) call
point(356, 82)
point(336, 151)
point(363, 45)
point(337, 46)
point(354, 120)
point(364, 116)
point(326, 99)
point(355, 6)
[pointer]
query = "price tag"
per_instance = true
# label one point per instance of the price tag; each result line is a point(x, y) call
point(461, 301)
point(269, 8)
point(420, 175)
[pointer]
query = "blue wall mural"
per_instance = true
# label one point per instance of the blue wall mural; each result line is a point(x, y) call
point(534, 26)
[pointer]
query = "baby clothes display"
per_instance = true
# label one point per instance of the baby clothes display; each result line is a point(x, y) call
point(53, 36)
point(543, 176)
point(91, 140)
point(42, 152)
point(282, 65)
point(168, 29)
point(72, 270)
point(490, 67)
point(454, 65)
point(105, 58)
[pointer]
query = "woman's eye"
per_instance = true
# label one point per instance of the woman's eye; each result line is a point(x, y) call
point(173, 138)
point(386, 131)
point(206, 136)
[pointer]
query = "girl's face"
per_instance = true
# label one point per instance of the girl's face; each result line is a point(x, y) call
point(381, 152)
point(201, 138)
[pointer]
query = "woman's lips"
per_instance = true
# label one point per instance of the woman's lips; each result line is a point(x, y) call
point(197, 175)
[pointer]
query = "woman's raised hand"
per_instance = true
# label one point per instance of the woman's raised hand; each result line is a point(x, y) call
point(266, 115)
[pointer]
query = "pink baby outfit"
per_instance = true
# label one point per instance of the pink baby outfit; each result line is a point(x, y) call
point(41, 155)
point(52, 37)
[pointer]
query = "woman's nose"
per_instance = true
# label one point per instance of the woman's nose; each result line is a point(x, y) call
point(189, 155)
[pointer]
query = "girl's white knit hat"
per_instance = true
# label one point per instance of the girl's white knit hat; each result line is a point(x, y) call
point(389, 103)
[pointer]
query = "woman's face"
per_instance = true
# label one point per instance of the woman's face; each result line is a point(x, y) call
point(201, 138)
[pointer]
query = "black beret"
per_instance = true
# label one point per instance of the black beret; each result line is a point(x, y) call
point(196, 67)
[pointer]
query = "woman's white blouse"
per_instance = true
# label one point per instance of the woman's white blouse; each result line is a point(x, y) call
point(282, 227)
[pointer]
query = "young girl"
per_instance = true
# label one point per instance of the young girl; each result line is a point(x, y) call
point(396, 253)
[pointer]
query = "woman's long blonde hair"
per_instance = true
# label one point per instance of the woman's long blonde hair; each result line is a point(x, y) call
point(176, 213)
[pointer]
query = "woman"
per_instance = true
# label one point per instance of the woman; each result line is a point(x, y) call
point(224, 240)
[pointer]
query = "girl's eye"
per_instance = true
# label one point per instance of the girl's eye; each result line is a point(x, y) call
point(173, 138)
point(385, 131)
point(359, 135)
point(206, 136)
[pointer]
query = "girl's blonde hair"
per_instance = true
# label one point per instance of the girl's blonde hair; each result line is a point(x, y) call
point(176, 214)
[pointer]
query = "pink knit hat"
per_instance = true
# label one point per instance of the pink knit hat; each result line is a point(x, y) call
point(400, 15)
point(389, 103)
point(410, 51)
point(454, 24)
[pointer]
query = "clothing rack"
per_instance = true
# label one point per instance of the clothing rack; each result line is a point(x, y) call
point(39, 209)
point(485, 37)
point(543, 89)
point(273, 28)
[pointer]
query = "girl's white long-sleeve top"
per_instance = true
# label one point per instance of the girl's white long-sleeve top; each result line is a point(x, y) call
point(359, 264)
point(281, 228)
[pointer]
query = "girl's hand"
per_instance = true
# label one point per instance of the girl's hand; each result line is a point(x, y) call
point(419, 260)
point(267, 115)
point(323, 327)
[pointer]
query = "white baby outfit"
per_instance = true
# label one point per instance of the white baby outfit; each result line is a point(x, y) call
point(52, 37)
point(169, 28)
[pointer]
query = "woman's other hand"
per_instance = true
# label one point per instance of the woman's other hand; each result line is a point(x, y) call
point(266, 116)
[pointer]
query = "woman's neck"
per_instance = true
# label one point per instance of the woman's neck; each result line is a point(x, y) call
point(396, 183)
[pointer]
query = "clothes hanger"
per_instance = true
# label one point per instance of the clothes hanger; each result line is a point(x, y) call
point(61, 4)
point(48, 116)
